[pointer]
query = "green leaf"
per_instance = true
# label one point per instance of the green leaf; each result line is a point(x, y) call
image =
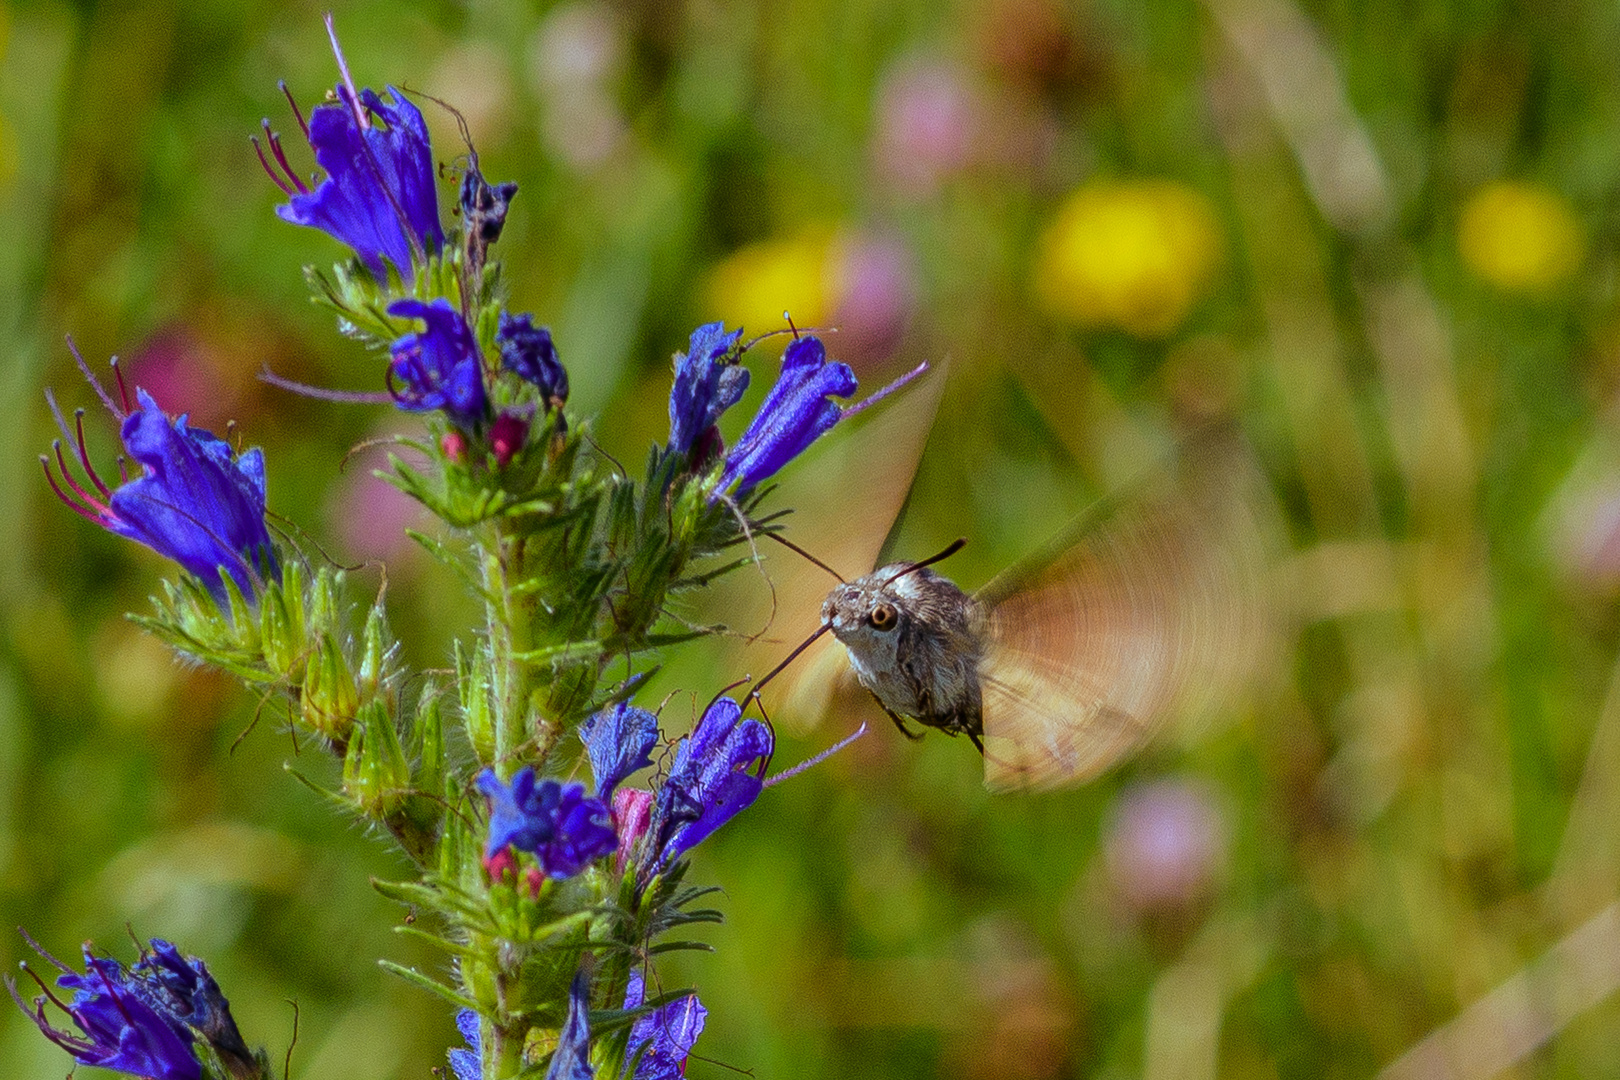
point(452, 947)
point(432, 986)
point(680, 946)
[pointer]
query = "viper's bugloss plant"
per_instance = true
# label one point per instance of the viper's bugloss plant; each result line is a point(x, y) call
point(549, 899)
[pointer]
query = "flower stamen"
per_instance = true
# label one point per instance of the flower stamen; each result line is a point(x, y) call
point(281, 84)
point(88, 500)
point(275, 178)
point(84, 455)
point(123, 390)
point(95, 384)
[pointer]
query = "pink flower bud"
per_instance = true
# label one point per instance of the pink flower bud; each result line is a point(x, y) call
point(632, 811)
point(454, 445)
point(507, 436)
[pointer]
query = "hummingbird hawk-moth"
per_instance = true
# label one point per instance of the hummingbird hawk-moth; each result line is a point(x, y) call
point(1075, 656)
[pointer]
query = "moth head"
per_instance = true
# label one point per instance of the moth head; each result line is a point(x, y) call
point(865, 613)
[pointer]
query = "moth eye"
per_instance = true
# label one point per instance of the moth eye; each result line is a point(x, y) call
point(883, 617)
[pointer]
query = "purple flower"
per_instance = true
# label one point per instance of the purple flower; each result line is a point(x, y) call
point(708, 381)
point(796, 412)
point(618, 740)
point(181, 987)
point(718, 771)
point(527, 350)
point(668, 1033)
point(468, 1064)
point(558, 823)
point(572, 1058)
point(120, 1026)
point(197, 501)
point(438, 368)
point(378, 196)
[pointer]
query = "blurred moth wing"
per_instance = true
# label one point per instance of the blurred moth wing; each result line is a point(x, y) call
point(1148, 608)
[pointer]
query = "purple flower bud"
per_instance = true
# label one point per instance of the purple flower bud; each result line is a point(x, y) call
point(122, 1023)
point(795, 414)
point(528, 350)
point(183, 988)
point(558, 823)
point(572, 1058)
point(663, 1037)
point(708, 381)
point(484, 205)
point(438, 368)
point(468, 1064)
point(197, 501)
point(618, 740)
point(453, 445)
point(379, 195)
point(718, 772)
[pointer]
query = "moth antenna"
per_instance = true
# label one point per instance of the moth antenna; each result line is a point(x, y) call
point(950, 549)
point(791, 546)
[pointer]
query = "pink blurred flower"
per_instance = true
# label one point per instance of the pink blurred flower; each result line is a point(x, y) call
point(1164, 845)
point(177, 367)
point(928, 123)
point(370, 516)
point(876, 288)
point(1589, 544)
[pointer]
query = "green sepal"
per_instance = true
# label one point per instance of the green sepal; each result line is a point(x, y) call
point(453, 558)
point(458, 949)
point(477, 714)
point(337, 799)
point(325, 614)
point(330, 698)
point(361, 302)
point(190, 620)
point(376, 775)
point(427, 742)
point(375, 652)
point(679, 946)
point(282, 629)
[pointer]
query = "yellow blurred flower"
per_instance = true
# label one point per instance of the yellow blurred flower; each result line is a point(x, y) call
point(754, 285)
point(1132, 254)
point(1520, 237)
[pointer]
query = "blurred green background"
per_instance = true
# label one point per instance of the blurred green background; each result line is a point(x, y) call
point(1381, 236)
